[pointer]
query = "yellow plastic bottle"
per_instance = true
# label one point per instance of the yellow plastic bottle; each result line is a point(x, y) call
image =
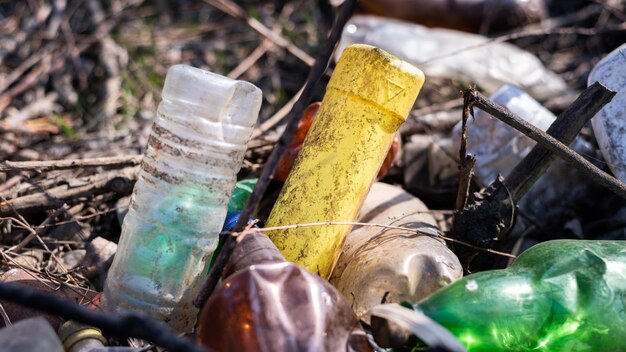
point(367, 99)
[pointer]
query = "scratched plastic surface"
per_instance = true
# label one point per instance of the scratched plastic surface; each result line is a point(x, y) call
point(446, 53)
point(393, 265)
point(609, 124)
point(179, 203)
point(497, 146)
point(369, 95)
point(564, 295)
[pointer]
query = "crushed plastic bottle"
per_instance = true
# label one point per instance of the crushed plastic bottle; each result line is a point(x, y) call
point(465, 15)
point(392, 265)
point(369, 95)
point(179, 203)
point(268, 304)
point(456, 55)
point(609, 124)
point(497, 146)
point(564, 295)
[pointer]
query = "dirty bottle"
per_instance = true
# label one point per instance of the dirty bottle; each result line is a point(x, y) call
point(609, 124)
point(455, 55)
point(389, 264)
point(180, 200)
point(369, 95)
point(288, 158)
point(268, 304)
point(241, 193)
point(562, 295)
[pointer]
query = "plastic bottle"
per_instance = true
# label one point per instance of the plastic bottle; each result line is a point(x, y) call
point(563, 295)
point(267, 304)
point(179, 203)
point(465, 15)
point(497, 146)
point(455, 55)
point(393, 265)
point(368, 97)
point(241, 193)
point(609, 124)
point(293, 149)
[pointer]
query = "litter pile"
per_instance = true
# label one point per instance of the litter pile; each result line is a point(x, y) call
point(390, 215)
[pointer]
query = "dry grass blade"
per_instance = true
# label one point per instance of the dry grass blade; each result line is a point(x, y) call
point(352, 223)
point(234, 10)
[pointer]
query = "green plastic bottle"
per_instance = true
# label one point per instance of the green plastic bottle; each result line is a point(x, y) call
point(564, 295)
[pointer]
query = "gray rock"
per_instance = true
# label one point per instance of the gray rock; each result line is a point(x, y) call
point(34, 334)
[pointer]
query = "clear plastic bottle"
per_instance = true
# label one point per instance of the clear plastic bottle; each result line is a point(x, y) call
point(497, 146)
point(456, 55)
point(393, 265)
point(180, 200)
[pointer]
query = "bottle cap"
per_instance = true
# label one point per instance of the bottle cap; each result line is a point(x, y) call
point(377, 77)
point(212, 96)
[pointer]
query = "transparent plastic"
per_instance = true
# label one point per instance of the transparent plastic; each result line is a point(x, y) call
point(609, 124)
point(497, 146)
point(388, 264)
point(456, 55)
point(179, 203)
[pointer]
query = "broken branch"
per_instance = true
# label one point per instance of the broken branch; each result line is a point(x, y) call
point(551, 143)
point(49, 165)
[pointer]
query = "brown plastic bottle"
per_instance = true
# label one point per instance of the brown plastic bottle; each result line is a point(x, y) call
point(268, 304)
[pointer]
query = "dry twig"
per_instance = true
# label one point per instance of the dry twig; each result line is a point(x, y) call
point(48, 165)
point(234, 10)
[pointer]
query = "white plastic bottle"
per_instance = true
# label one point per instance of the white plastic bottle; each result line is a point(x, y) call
point(179, 203)
point(455, 55)
point(609, 124)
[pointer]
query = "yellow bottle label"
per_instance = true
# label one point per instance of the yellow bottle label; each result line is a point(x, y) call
point(367, 99)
